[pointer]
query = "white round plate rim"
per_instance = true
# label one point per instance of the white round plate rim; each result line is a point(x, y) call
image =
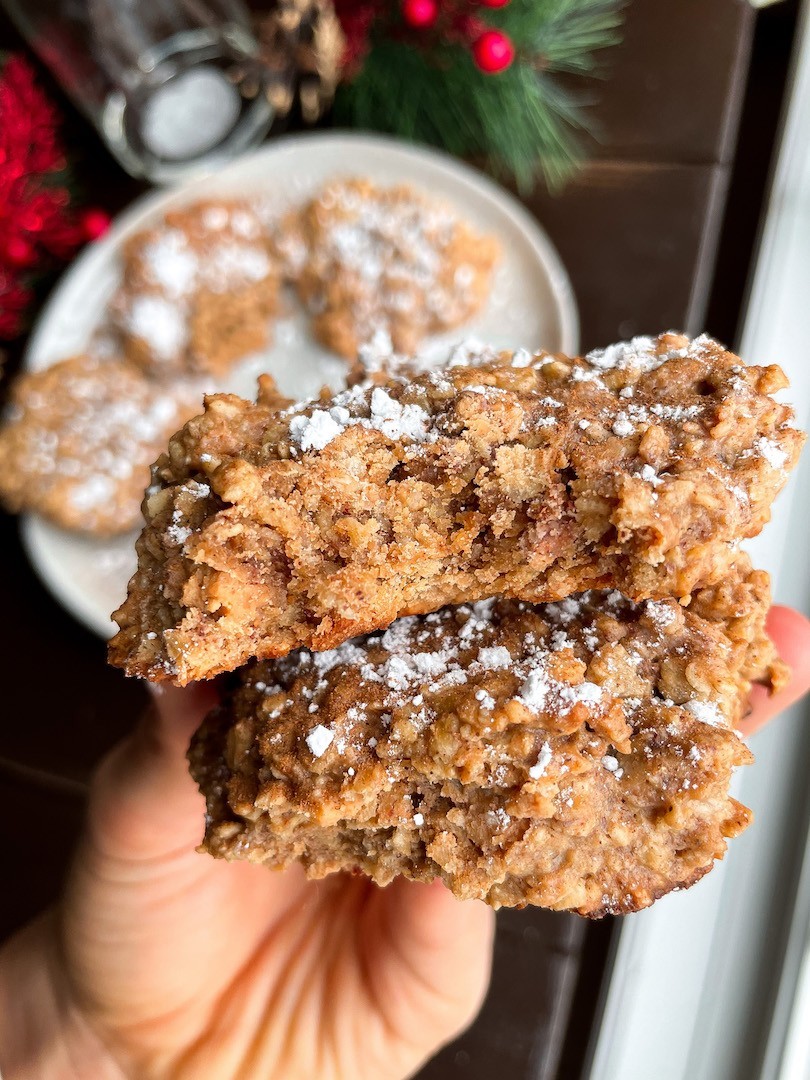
point(44, 541)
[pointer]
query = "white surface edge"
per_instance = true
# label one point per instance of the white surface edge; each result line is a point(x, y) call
point(682, 991)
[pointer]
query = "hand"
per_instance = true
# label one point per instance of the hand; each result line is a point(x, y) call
point(161, 963)
point(789, 630)
point(165, 963)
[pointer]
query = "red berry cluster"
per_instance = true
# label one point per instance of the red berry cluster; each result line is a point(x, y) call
point(453, 21)
point(38, 225)
point(492, 50)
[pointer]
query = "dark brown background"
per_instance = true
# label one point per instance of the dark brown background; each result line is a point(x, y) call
point(657, 232)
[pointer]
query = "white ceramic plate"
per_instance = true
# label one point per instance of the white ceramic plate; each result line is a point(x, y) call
point(532, 305)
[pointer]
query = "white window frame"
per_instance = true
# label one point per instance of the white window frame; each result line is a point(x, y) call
point(714, 984)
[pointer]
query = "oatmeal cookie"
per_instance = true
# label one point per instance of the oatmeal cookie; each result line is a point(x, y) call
point(574, 755)
point(79, 437)
point(369, 261)
point(198, 291)
point(639, 467)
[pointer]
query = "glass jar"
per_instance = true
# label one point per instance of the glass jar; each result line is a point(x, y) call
point(173, 86)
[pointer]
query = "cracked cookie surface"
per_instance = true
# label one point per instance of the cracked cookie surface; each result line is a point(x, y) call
point(575, 755)
point(640, 467)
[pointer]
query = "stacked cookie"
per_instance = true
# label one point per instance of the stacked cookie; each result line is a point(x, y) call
point(489, 623)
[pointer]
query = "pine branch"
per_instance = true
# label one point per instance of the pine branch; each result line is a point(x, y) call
point(566, 33)
point(522, 122)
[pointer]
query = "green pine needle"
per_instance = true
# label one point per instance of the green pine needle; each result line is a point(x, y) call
point(522, 122)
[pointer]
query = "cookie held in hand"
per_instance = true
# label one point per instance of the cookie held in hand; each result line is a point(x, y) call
point(573, 755)
point(640, 467)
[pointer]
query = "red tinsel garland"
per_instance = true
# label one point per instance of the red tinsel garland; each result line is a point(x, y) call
point(38, 223)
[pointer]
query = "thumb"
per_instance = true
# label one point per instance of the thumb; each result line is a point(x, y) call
point(433, 968)
point(143, 802)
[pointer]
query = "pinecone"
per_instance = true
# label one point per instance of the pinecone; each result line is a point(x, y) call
point(301, 47)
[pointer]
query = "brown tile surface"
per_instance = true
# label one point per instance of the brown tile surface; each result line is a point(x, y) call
point(62, 706)
point(671, 92)
point(638, 240)
point(519, 1033)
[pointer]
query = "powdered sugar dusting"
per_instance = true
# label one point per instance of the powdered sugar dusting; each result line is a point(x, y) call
point(771, 452)
point(171, 262)
point(396, 420)
point(706, 712)
point(158, 322)
point(91, 493)
point(392, 418)
point(650, 476)
point(494, 658)
point(319, 740)
point(543, 667)
point(641, 353)
point(470, 352)
point(316, 431)
point(611, 763)
point(622, 427)
point(661, 613)
point(543, 762)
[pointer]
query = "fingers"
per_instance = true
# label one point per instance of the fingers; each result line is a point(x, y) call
point(144, 804)
point(434, 971)
point(179, 711)
point(790, 632)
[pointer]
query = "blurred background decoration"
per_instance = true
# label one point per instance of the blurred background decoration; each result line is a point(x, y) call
point(41, 224)
point(177, 88)
point(302, 50)
point(159, 79)
point(478, 79)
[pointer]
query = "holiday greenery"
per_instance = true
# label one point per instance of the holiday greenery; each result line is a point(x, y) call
point(39, 225)
point(479, 78)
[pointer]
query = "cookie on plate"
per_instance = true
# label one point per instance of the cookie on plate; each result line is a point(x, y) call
point(371, 261)
point(199, 290)
point(640, 467)
point(78, 439)
point(573, 755)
